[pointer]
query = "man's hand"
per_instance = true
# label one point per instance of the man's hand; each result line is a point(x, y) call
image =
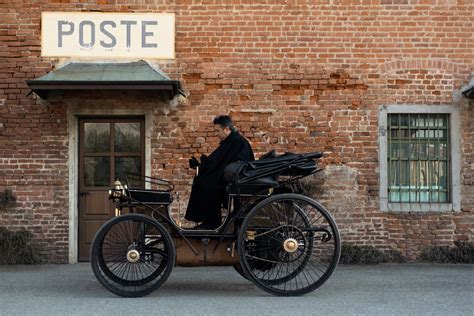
point(193, 163)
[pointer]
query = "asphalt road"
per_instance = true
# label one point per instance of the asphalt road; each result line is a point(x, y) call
point(407, 289)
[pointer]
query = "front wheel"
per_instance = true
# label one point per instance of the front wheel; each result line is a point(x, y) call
point(132, 255)
point(288, 245)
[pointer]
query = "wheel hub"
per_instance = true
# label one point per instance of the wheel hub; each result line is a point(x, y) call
point(133, 256)
point(290, 245)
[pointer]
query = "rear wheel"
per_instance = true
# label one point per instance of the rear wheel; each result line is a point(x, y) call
point(132, 255)
point(237, 267)
point(288, 245)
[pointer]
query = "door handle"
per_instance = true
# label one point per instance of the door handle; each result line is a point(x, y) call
point(82, 193)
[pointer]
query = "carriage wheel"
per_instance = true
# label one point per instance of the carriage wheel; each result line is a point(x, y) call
point(132, 255)
point(237, 267)
point(289, 245)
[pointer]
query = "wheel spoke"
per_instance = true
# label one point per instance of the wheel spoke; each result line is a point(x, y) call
point(113, 257)
point(272, 260)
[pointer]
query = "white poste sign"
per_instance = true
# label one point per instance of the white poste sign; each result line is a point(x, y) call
point(94, 34)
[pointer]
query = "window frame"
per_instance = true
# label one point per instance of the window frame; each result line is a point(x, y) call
point(110, 153)
point(454, 152)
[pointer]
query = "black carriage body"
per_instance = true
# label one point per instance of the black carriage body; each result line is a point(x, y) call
point(271, 233)
point(151, 197)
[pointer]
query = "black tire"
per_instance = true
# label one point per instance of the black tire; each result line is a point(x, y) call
point(112, 246)
point(270, 250)
point(309, 234)
point(238, 268)
point(291, 273)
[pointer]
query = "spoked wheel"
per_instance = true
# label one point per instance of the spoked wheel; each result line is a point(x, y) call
point(132, 255)
point(289, 245)
point(237, 267)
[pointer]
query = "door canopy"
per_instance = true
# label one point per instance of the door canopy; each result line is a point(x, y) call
point(106, 76)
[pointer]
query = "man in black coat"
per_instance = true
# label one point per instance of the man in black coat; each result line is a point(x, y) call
point(208, 190)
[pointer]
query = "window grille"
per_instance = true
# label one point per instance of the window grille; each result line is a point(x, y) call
point(418, 158)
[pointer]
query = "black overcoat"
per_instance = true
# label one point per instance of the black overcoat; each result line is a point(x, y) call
point(208, 189)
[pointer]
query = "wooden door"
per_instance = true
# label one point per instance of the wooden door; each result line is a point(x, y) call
point(109, 148)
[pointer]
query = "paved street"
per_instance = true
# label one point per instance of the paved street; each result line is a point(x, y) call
point(408, 289)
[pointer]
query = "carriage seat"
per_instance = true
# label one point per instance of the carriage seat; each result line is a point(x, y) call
point(260, 185)
point(255, 176)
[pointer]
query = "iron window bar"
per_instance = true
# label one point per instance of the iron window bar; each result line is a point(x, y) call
point(418, 159)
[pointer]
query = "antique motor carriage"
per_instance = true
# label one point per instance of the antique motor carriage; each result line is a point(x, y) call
point(272, 234)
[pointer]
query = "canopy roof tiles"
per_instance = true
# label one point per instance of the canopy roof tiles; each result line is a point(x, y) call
point(106, 76)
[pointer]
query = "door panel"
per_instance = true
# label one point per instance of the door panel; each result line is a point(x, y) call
point(109, 148)
point(90, 229)
point(96, 203)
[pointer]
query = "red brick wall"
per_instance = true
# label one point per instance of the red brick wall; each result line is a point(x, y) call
point(296, 75)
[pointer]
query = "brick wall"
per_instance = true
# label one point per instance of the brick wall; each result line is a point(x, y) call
point(296, 76)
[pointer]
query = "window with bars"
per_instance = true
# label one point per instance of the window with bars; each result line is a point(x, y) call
point(418, 157)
